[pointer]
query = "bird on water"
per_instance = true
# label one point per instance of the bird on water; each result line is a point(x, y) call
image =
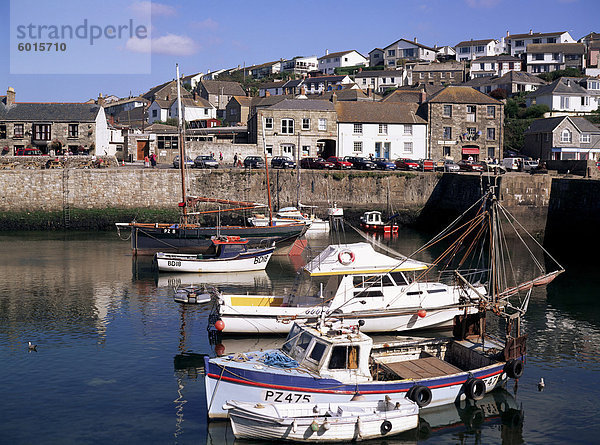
point(32, 347)
point(541, 384)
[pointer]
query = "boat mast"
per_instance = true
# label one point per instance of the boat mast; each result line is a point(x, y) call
point(183, 203)
point(267, 172)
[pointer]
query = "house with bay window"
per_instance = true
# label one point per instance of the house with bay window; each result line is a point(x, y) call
point(381, 129)
point(53, 128)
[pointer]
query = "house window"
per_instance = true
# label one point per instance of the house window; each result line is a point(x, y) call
point(409, 52)
point(170, 142)
point(364, 81)
point(357, 129)
point(306, 150)
point(555, 56)
point(471, 132)
point(421, 75)
point(19, 129)
point(391, 80)
point(447, 133)
point(268, 123)
point(287, 126)
point(446, 151)
point(154, 113)
point(408, 147)
point(537, 40)
point(322, 124)
point(491, 152)
point(358, 146)
point(565, 136)
point(73, 130)
point(287, 149)
point(519, 43)
point(551, 40)
point(511, 65)
point(391, 53)
point(585, 101)
point(442, 74)
point(491, 111)
point(41, 132)
point(3, 131)
point(538, 57)
point(479, 48)
point(206, 111)
point(447, 111)
point(269, 149)
point(564, 101)
point(491, 134)
point(471, 113)
point(584, 138)
point(306, 124)
point(408, 129)
point(383, 129)
point(465, 49)
point(430, 74)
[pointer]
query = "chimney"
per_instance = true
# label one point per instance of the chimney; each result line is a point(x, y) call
point(333, 98)
point(423, 96)
point(507, 33)
point(531, 32)
point(326, 52)
point(100, 100)
point(415, 40)
point(10, 96)
point(267, 94)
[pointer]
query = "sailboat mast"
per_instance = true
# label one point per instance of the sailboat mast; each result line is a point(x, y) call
point(183, 203)
point(267, 172)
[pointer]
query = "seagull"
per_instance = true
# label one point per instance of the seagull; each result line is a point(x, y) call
point(32, 347)
point(541, 384)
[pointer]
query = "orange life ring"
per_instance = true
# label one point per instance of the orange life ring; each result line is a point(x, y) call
point(346, 257)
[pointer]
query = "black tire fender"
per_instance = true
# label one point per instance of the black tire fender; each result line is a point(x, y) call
point(474, 389)
point(420, 394)
point(514, 368)
point(386, 427)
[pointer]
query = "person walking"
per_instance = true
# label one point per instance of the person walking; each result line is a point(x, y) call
point(221, 156)
point(153, 160)
point(146, 161)
point(235, 159)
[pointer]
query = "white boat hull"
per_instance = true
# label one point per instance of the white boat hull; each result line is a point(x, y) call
point(187, 263)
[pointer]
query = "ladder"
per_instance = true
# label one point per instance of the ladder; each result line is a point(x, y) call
point(66, 206)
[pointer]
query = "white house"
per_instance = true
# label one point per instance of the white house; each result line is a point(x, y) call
point(381, 129)
point(407, 50)
point(330, 61)
point(380, 80)
point(317, 85)
point(161, 110)
point(564, 96)
point(300, 65)
point(547, 57)
point(516, 44)
point(494, 66)
point(472, 49)
point(264, 69)
point(192, 80)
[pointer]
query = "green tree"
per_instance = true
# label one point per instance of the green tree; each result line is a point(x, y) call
point(569, 72)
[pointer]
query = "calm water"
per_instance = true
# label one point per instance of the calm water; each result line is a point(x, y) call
point(115, 360)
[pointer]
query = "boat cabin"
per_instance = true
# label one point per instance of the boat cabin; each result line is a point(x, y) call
point(225, 247)
point(373, 217)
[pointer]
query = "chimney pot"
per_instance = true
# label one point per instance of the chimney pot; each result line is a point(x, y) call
point(507, 33)
point(326, 52)
point(10, 96)
point(531, 32)
point(100, 100)
point(415, 40)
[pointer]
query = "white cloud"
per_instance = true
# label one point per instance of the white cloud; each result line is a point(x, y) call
point(142, 7)
point(482, 3)
point(170, 44)
point(208, 24)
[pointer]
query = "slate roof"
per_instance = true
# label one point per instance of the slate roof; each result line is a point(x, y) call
point(378, 113)
point(133, 117)
point(462, 95)
point(535, 35)
point(126, 100)
point(228, 88)
point(565, 48)
point(244, 101)
point(345, 94)
point(549, 124)
point(267, 101)
point(474, 42)
point(378, 73)
point(303, 104)
point(412, 42)
point(265, 85)
point(516, 77)
point(169, 87)
point(339, 54)
point(49, 112)
point(443, 66)
point(293, 83)
point(403, 96)
point(184, 78)
point(562, 85)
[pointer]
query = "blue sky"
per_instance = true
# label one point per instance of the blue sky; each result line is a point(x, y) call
point(203, 35)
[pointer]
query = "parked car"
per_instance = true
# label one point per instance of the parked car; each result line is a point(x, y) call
point(205, 161)
point(339, 162)
point(470, 166)
point(28, 152)
point(316, 163)
point(188, 162)
point(384, 164)
point(282, 162)
point(446, 165)
point(360, 163)
point(407, 164)
point(511, 163)
point(426, 165)
point(254, 162)
point(529, 164)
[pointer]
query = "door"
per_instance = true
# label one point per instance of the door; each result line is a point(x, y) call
point(377, 149)
point(386, 149)
point(143, 150)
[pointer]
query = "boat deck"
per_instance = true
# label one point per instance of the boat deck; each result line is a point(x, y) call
point(421, 368)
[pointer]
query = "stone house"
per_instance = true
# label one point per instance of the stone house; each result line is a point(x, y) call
point(437, 73)
point(562, 138)
point(387, 130)
point(53, 128)
point(237, 110)
point(166, 91)
point(330, 61)
point(464, 123)
point(296, 128)
point(472, 49)
point(547, 57)
point(219, 93)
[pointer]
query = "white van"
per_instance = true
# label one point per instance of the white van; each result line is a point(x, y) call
point(511, 164)
point(529, 165)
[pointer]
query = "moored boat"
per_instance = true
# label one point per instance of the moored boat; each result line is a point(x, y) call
point(322, 422)
point(288, 215)
point(372, 222)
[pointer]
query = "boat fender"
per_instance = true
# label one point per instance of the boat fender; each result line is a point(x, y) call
point(386, 427)
point(514, 368)
point(346, 257)
point(326, 425)
point(475, 389)
point(359, 427)
point(314, 426)
point(420, 394)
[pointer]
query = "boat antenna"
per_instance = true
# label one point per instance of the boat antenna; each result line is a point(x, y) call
point(183, 203)
point(267, 173)
point(322, 315)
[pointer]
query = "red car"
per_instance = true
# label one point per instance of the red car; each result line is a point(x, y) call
point(28, 152)
point(407, 164)
point(339, 163)
point(316, 163)
point(470, 166)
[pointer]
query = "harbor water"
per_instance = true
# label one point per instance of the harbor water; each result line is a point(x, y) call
point(118, 361)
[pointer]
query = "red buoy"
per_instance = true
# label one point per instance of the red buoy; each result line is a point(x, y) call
point(422, 313)
point(220, 349)
point(219, 325)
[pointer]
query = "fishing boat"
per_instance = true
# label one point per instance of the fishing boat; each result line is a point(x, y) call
point(229, 254)
point(352, 281)
point(322, 422)
point(287, 215)
point(330, 360)
point(189, 236)
point(372, 222)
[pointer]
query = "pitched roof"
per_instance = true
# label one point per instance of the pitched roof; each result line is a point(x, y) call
point(339, 54)
point(462, 95)
point(320, 79)
point(584, 125)
point(438, 66)
point(125, 101)
point(49, 112)
point(274, 84)
point(412, 42)
point(344, 94)
point(591, 36)
point(549, 124)
point(474, 42)
point(133, 117)
point(223, 87)
point(535, 34)
point(375, 49)
point(378, 112)
point(562, 85)
point(567, 48)
point(404, 96)
point(267, 101)
point(167, 89)
point(184, 78)
point(520, 77)
point(303, 104)
point(244, 101)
